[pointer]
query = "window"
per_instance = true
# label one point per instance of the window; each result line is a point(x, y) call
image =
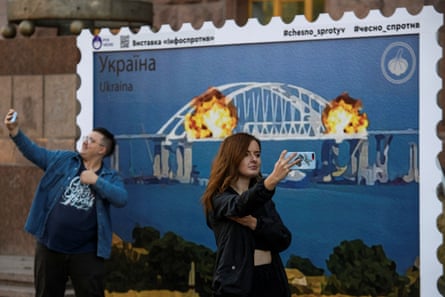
point(264, 10)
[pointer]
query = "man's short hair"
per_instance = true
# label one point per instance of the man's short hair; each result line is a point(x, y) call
point(108, 140)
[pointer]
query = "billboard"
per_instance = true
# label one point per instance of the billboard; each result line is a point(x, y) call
point(358, 93)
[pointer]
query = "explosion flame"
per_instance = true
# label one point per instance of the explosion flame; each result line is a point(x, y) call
point(214, 116)
point(343, 116)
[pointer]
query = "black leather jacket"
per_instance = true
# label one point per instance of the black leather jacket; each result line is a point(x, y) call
point(235, 243)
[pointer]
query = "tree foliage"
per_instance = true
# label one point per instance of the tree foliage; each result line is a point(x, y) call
point(304, 265)
point(360, 270)
point(166, 264)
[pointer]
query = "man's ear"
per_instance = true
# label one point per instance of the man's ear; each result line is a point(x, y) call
point(103, 150)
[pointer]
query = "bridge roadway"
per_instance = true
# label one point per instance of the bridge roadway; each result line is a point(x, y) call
point(164, 137)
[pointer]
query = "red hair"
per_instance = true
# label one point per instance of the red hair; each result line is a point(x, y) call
point(225, 166)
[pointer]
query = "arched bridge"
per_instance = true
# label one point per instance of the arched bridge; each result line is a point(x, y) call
point(268, 110)
point(272, 111)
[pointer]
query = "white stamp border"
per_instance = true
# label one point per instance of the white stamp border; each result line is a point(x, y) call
point(376, 24)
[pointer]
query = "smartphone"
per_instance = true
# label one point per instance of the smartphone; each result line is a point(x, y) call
point(14, 117)
point(307, 160)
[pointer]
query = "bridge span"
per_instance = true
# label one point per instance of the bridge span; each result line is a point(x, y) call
point(278, 112)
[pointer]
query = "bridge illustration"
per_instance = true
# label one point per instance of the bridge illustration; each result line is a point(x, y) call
point(273, 111)
point(267, 110)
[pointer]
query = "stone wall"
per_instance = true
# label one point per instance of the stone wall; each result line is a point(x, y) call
point(361, 8)
point(17, 184)
point(188, 11)
point(38, 78)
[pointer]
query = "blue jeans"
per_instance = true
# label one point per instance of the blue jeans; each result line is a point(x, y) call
point(52, 270)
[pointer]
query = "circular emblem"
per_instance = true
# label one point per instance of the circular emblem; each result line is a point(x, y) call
point(97, 42)
point(398, 62)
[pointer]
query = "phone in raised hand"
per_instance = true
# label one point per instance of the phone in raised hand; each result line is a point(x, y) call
point(14, 117)
point(307, 160)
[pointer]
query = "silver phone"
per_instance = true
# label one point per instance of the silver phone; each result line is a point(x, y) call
point(307, 160)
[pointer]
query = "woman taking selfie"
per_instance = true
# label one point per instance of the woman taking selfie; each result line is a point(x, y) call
point(248, 230)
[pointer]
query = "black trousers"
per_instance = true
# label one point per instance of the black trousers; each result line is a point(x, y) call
point(52, 270)
point(266, 282)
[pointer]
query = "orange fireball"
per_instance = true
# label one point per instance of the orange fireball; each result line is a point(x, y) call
point(214, 116)
point(343, 116)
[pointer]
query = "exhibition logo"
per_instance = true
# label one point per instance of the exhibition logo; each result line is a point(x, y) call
point(398, 62)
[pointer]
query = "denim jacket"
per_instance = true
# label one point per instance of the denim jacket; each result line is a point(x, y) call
point(59, 168)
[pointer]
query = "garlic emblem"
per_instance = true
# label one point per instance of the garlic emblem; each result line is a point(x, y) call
point(398, 65)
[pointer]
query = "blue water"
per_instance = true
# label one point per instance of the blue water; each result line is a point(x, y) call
point(320, 217)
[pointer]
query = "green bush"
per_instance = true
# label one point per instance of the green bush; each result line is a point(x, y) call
point(166, 265)
point(304, 265)
point(359, 270)
point(144, 236)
